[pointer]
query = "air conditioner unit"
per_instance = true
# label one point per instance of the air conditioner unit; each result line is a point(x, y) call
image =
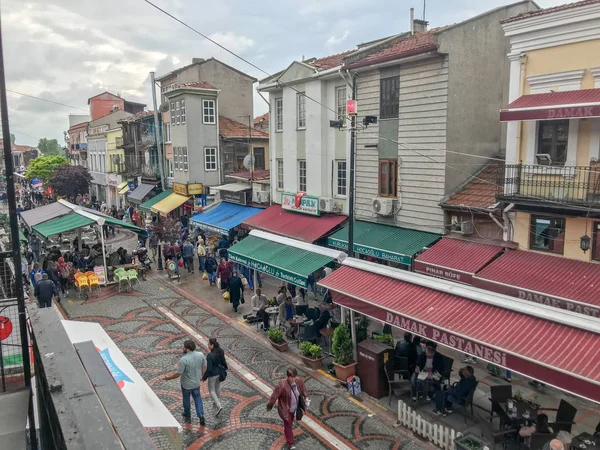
point(465, 227)
point(333, 205)
point(383, 206)
point(261, 196)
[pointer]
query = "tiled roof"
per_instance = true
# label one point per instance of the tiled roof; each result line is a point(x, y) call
point(17, 148)
point(480, 191)
point(329, 62)
point(413, 45)
point(236, 130)
point(261, 119)
point(198, 84)
point(541, 12)
point(259, 175)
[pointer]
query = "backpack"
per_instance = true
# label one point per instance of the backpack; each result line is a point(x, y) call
point(37, 277)
point(65, 272)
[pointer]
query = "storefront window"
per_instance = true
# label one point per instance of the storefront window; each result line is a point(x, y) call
point(596, 242)
point(553, 136)
point(547, 234)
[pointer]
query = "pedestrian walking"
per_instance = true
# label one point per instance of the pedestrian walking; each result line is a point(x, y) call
point(224, 273)
point(236, 290)
point(188, 256)
point(201, 250)
point(216, 372)
point(191, 369)
point(45, 290)
point(35, 248)
point(211, 268)
point(290, 395)
point(64, 274)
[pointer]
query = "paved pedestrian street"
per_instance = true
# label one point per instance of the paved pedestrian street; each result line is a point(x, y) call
point(150, 325)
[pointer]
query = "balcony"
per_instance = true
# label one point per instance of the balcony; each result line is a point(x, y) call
point(556, 186)
point(136, 165)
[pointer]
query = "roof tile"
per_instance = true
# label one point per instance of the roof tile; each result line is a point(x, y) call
point(197, 84)
point(236, 130)
point(480, 191)
point(541, 12)
point(329, 62)
point(257, 175)
point(261, 119)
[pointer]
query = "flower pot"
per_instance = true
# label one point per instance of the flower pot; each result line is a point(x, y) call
point(279, 347)
point(345, 372)
point(314, 364)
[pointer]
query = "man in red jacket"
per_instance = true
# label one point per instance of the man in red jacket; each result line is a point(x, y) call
point(287, 395)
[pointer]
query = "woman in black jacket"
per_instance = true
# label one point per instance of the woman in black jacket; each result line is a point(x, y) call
point(216, 370)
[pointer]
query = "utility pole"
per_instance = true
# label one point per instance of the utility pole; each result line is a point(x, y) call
point(156, 134)
point(351, 187)
point(15, 245)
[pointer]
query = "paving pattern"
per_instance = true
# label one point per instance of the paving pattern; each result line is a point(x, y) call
point(153, 342)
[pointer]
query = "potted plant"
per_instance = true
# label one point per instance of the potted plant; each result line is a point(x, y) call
point(385, 339)
point(277, 340)
point(343, 354)
point(312, 355)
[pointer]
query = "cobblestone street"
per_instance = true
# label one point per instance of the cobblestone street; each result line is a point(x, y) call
point(150, 325)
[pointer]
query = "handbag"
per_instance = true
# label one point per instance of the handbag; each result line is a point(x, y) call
point(301, 404)
point(222, 373)
point(242, 300)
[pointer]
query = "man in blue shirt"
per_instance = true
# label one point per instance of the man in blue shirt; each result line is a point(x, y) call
point(457, 393)
point(188, 256)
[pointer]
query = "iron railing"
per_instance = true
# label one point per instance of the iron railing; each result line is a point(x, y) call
point(566, 185)
point(137, 165)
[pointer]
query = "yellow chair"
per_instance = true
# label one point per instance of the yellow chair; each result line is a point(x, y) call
point(82, 285)
point(94, 283)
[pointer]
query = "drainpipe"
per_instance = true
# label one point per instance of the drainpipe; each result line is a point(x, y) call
point(507, 222)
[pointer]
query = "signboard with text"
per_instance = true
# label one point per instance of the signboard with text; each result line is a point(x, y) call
point(239, 197)
point(443, 272)
point(180, 189)
point(370, 251)
point(550, 113)
point(308, 205)
point(276, 272)
point(195, 189)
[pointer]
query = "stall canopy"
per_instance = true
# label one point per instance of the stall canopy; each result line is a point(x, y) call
point(122, 185)
point(552, 280)
point(456, 259)
point(168, 204)
point(62, 225)
point(44, 213)
point(294, 225)
point(287, 259)
point(157, 198)
point(385, 242)
point(556, 347)
point(139, 193)
point(124, 190)
point(224, 217)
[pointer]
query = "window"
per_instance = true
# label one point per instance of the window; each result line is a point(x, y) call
point(280, 174)
point(182, 111)
point(340, 95)
point(301, 176)
point(184, 160)
point(547, 234)
point(596, 242)
point(176, 157)
point(210, 159)
point(553, 136)
point(341, 178)
point(301, 110)
point(167, 133)
point(259, 158)
point(388, 177)
point(177, 112)
point(170, 168)
point(173, 114)
point(278, 114)
point(208, 107)
point(389, 99)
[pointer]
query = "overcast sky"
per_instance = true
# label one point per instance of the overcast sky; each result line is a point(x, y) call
point(70, 50)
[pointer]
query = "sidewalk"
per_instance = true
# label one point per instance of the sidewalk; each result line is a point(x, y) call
point(150, 326)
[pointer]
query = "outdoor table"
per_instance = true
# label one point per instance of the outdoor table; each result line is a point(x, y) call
point(523, 409)
point(586, 441)
point(295, 322)
point(327, 333)
point(272, 311)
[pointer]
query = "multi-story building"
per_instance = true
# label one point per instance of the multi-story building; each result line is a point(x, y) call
point(262, 122)
point(102, 104)
point(77, 138)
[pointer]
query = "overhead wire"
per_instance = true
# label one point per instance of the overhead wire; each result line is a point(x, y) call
point(45, 100)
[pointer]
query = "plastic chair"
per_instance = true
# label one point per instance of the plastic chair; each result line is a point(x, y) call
point(94, 283)
point(82, 285)
point(397, 366)
point(132, 276)
point(120, 276)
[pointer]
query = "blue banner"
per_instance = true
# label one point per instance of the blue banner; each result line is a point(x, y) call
point(119, 376)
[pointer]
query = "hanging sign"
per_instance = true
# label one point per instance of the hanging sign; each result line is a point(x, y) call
point(180, 189)
point(308, 205)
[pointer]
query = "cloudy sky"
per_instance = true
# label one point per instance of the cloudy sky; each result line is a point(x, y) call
point(69, 50)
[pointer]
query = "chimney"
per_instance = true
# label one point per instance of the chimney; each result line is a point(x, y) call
point(419, 26)
point(412, 21)
point(197, 60)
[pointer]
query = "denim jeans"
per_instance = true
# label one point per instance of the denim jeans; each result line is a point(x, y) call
point(189, 263)
point(444, 399)
point(417, 385)
point(195, 393)
point(214, 388)
point(212, 277)
point(201, 260)
point(313, 287)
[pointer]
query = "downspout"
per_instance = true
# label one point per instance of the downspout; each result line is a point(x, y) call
point(220, 164)
point(506, 226)
point(270, 154)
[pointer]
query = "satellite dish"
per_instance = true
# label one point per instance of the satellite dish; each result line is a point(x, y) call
point(249, 161)
point(164, 107)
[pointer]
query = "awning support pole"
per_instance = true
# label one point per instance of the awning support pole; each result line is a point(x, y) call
point(353, 331)
point(79, 244)
point(103, 255)
point(254, 279)
point(343, 314)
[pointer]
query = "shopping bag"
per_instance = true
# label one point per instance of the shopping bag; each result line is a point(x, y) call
point(353, 385)
point(205, 275)
point(244, 281)
point(226, 296)
point(219, 283)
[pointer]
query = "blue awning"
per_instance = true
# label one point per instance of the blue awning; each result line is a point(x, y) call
point(224, 217)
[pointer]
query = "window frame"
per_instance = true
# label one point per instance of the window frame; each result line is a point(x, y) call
point(555, 124)
point(173, 114)
point(182, 111)
point(170, 169)
point(279, 114)
point(280, 174)
point(206, 105)
point(167, 132)
point(301, 111)
point(261, 151)
point(343, 186)
point(301, 168)
point(389, 108)
point(207, 155)
point(392, 170)
point(533, 234)
point(184, 154)
point(341, 107)
point(176, 159)
point(596, 241)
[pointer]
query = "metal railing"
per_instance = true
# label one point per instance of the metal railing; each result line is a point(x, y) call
point(136, 165)
point(568, 185)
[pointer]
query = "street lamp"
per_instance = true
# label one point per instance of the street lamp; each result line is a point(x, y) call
point(584, 243)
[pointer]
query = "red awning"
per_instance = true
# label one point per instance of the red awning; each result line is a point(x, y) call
point(293, 225)
point(557, 354)
point(456, 260)
point(554, 105)
point(551, 280)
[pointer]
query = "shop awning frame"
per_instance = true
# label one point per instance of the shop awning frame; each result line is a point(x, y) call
point(168, 204)
point(62, 225)
point(145, 206)
point(140, 192)
point(223, 217)
point(122, 185)
point(124, 190)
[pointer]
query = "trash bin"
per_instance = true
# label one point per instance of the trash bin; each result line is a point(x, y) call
point(371, 356)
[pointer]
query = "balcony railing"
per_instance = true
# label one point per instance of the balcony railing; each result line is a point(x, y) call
point(566, 185)
point(136, 165)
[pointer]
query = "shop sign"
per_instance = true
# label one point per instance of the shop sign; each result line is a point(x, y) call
point(370, 251)
point(195, 189)
point(180, 189)
point(211, 228)
point(239, 197)
point(443, 272)
point(112, 181)
point(537, 297)
point(308, 205)
point(269, 270)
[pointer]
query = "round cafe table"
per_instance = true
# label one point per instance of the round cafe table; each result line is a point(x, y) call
point(272, 311)
point(296, 321)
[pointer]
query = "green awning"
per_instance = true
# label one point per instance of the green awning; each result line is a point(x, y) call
point(149, 203)
point(386, 242)
point(62, 224)
point(120, 223)
point(287, 263)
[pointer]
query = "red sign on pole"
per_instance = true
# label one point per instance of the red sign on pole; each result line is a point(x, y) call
point(351, 107)
point(5, 328)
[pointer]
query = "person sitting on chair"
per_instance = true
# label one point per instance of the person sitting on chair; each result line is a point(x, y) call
point(430, 362)
point(459, 391)
point(541, 426)
point(286, 313)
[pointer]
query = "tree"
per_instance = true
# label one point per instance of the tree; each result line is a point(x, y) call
point(49, 147)
point(167, 229)
point(12, 138)
point(43, 167)
point(70, 181)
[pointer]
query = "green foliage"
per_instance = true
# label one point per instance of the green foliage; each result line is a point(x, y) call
point(316, 351)
point(386, 339)
point(70, 181)
point(43, 167)
point(276, 336)
point(343, 353)
point(167, 229)
point(362, 328)
point(305, 348)
point(50, 147)
point(12, 138)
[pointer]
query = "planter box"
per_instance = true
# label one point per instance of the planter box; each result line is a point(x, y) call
point(279, 347)
point(469, 442)
point(314, 364)
point(344, 372)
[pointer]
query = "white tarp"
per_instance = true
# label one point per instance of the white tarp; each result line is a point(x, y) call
point(144, 402)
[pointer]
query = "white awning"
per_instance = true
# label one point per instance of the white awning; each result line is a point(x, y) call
point(231, 187)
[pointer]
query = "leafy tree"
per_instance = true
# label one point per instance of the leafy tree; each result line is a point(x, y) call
point(43, 167)
point(167, 229)
point(12, 138)
point(70, 181)
point(50, 147)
